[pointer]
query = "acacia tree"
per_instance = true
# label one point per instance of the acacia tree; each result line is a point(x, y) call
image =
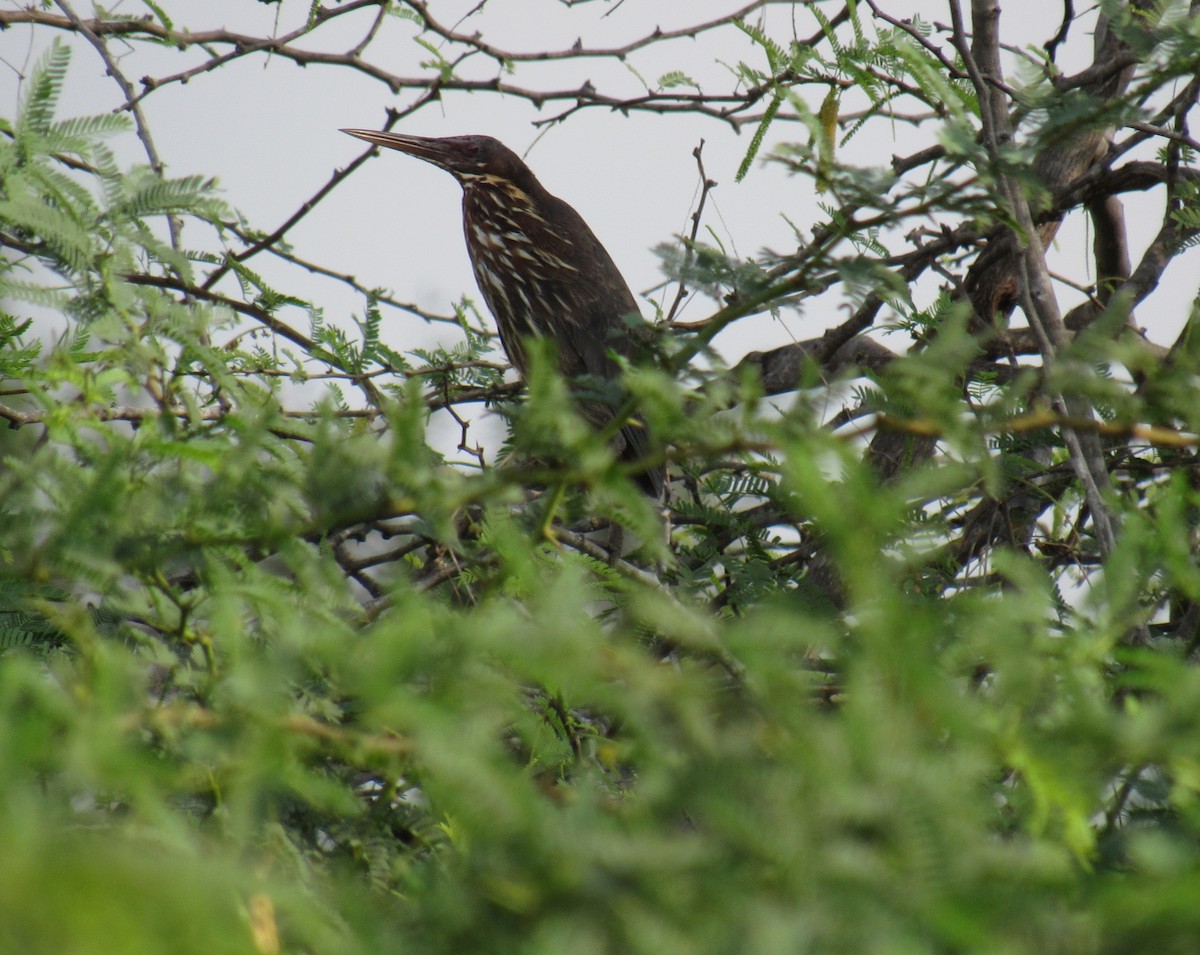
point(910, 669)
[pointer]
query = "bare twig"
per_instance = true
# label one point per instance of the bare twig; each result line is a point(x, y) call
point(706, 186)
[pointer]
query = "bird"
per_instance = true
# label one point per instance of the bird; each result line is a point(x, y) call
point(543, 274)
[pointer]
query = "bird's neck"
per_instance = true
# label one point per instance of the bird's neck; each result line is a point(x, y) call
point(502, 197)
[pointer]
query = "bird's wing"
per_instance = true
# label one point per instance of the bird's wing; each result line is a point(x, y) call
point(604, 320)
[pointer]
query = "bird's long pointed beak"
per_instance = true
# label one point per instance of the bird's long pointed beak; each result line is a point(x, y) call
point(431, 150)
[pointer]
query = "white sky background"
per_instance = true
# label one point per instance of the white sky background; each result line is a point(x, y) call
point(269, 130)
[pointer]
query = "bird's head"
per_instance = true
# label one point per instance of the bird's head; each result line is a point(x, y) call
point(464, 157)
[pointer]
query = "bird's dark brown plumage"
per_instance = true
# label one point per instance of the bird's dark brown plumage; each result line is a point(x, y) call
point(541, 270)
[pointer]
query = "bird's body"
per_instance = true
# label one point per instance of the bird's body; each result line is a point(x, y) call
point(542, 272)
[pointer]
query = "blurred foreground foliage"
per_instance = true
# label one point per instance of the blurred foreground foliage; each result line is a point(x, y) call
point(276, 678)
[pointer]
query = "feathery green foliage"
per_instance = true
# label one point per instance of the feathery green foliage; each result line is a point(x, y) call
point(276, 675)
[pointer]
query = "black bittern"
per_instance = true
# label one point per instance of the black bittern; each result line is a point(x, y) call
point(542, 272)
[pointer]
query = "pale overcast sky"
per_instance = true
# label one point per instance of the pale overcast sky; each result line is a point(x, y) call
point(269, 130)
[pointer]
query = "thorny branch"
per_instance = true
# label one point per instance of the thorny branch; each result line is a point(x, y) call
point(706, 186)
point(729, 107)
